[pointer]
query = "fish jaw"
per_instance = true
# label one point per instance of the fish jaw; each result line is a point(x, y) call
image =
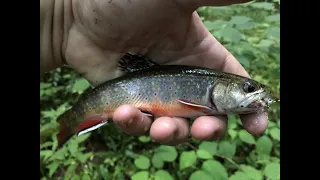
point(259, 101)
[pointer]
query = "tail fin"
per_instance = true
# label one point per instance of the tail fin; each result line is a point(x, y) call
point(65, 131)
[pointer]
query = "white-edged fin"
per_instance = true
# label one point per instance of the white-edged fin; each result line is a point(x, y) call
point(91, 128)
point(147, 114)
point(193, 105)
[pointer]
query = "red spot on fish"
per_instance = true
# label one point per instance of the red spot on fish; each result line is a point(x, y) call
point(169, 88)
point(155, 94)
point(89, 123)
point(107, 103)
point(175, 92)
point(108, 88)
point(108, 95)
point(127, 97)
point(123, 86)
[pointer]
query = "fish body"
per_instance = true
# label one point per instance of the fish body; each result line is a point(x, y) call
point(164, 90)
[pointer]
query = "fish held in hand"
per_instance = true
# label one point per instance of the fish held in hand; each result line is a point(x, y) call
point(163, 90)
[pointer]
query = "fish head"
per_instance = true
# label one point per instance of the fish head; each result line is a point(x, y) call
point(240, 95)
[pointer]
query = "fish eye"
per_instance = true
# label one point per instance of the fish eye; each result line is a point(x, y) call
point(249, 87)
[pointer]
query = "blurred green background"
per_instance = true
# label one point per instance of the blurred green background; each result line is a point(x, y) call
point(252, 33)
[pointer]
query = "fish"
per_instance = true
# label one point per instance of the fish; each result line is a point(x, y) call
point(163, 90)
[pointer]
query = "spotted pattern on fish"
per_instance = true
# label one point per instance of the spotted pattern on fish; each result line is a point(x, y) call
point(180, 91)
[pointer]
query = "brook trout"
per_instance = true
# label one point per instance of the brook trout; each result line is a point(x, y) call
point(163, 90)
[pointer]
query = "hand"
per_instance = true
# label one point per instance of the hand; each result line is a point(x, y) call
point(95, 34)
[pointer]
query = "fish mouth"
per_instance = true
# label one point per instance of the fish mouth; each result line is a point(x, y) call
point(259, 100)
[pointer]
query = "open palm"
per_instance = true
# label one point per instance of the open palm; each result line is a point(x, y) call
point(167, 31)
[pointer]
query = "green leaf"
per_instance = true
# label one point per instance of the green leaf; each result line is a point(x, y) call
point(167, 153)
point(141, 175)
point(264, 145)
point(271, 124)
point(245, 26)
point(211, 147)
point(162, 175)
point(275, 160)
point(239, 20)
point(157, 161)
point(233, 133)
point(272, 171)
point(73, 147)
point(45, 85)
point(239, 175)
point(83, 137)
point(246, 137)
point(275, 17)
point(85, 177)
point(70, 171)
point(274, 32)
point(187, 159)
point(142, 162)
point(265, 43)
point(275, 133)
point(80, 85)
point(46, 154)
point(104, 172)
point(215, 25)
point(263, 5)
point(252, 172)
point(226, 149)
point(84, 157)
point(232, 125)
point(76, 177)
point(53, 167)
point(45, 145)
point(243, 60)
point(203, 154)
point(144, 139)
point(278, 124)
point(60, 154)
point(215, 169)
point(229, 34)
point(200, 175)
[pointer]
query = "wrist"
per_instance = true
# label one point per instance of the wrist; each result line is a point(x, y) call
point(55, 21)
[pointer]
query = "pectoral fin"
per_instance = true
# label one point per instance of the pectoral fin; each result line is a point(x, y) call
point(146, 114)
point(194, 106)
point(90, 125)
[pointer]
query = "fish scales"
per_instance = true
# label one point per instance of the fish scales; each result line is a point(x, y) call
point(163, 90)
point(145, 91)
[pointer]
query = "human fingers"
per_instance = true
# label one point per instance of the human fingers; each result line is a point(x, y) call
point(209, 128)
point(131, 121)
point(170, 131)
point(255, 124)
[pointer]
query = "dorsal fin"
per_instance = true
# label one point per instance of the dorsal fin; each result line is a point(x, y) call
point(131, 62)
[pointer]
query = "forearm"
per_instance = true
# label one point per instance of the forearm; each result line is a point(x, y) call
point(55, 21)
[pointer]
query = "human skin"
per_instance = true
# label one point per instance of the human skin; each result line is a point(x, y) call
point(91, 36)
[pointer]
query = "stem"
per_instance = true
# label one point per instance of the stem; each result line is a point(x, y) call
point(217, 155)
point(229, 159)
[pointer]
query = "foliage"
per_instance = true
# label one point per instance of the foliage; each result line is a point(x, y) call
point(251, 33)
